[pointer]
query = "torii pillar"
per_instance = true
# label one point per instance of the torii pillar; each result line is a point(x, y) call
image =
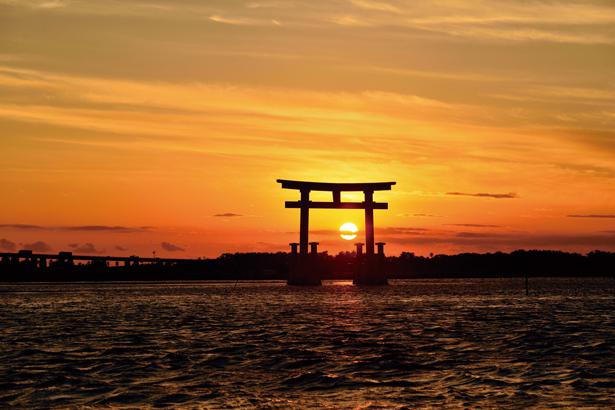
point(303, 272)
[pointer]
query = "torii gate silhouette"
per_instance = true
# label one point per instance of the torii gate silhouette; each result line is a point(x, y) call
point(302, 273)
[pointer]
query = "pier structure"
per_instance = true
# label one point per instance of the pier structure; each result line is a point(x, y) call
point(370, 270)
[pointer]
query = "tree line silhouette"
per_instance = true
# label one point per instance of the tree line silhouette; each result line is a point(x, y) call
point(273, 266)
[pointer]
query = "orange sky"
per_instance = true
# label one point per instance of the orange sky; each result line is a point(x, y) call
point(129, 127)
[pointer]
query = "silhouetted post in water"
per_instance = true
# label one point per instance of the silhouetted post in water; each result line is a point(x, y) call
point(314, 248)
point(360, 263)
point(527, 290)
point(294, 259)
point(312, 263)
point(302, 274)
point(370, 269)
point(293, 248)
point(359, 246)
point(381, 262)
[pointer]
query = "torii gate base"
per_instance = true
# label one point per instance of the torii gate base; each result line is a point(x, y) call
point(370, 274)
point(370, 271)
point(304, 270)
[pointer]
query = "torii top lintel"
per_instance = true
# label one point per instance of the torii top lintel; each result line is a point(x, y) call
point(334, 186)
point(306, 187)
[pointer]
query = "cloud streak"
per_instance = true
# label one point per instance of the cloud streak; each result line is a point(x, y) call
point(509, 195)
point(38, 246)
point(86, 248)
point(81, 228)
point(476, 225)
point(24, 227)
point(169, 247)
point(7, 245)
point(104, 228)
point(596, 216)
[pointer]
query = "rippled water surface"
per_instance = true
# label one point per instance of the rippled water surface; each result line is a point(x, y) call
point(427, 343)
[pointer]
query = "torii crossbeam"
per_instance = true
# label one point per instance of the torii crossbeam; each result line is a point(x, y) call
point(305, 187)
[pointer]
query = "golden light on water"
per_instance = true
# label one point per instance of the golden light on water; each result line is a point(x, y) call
point(348, 231)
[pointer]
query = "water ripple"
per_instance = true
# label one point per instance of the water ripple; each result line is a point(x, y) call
point(439, 343)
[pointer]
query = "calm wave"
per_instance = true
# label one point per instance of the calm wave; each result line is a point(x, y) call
point(428, 343)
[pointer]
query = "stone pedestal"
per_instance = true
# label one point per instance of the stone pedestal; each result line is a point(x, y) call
point(304, 271)
point(304, 267)
point(371, 269)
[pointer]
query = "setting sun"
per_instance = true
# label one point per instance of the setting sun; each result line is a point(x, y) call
point(348, 231)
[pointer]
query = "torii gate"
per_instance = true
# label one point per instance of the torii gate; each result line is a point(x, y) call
point(302, 276)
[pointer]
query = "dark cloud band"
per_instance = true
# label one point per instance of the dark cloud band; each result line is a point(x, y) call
point(77, 228)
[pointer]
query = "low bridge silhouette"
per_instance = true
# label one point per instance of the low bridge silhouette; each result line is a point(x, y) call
point(42, 260)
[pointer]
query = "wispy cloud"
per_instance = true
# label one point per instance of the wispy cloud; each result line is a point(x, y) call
point(52, 4)
point(475, 235)
point(243, 21)
point(598, 216)
point(397, 230)
point(509, 195)
point(87, 248)
point(586, 22)
point(169, 247)
point(36, 4)
point(376, 5)
point(77, 228)
point(38, 246)
point(24, 227)
point(227, 215)
point(7, 245)
point(104, 228)
point(467, 225)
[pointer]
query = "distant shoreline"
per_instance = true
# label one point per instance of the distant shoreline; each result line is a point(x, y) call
point(283, 280)
point(276, 266)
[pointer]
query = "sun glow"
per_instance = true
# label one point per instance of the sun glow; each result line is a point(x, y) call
point(348, 231)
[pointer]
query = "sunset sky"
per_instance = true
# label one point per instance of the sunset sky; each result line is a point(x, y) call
point(133, 126)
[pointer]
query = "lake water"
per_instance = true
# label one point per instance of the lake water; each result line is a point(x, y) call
point(417, 343)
